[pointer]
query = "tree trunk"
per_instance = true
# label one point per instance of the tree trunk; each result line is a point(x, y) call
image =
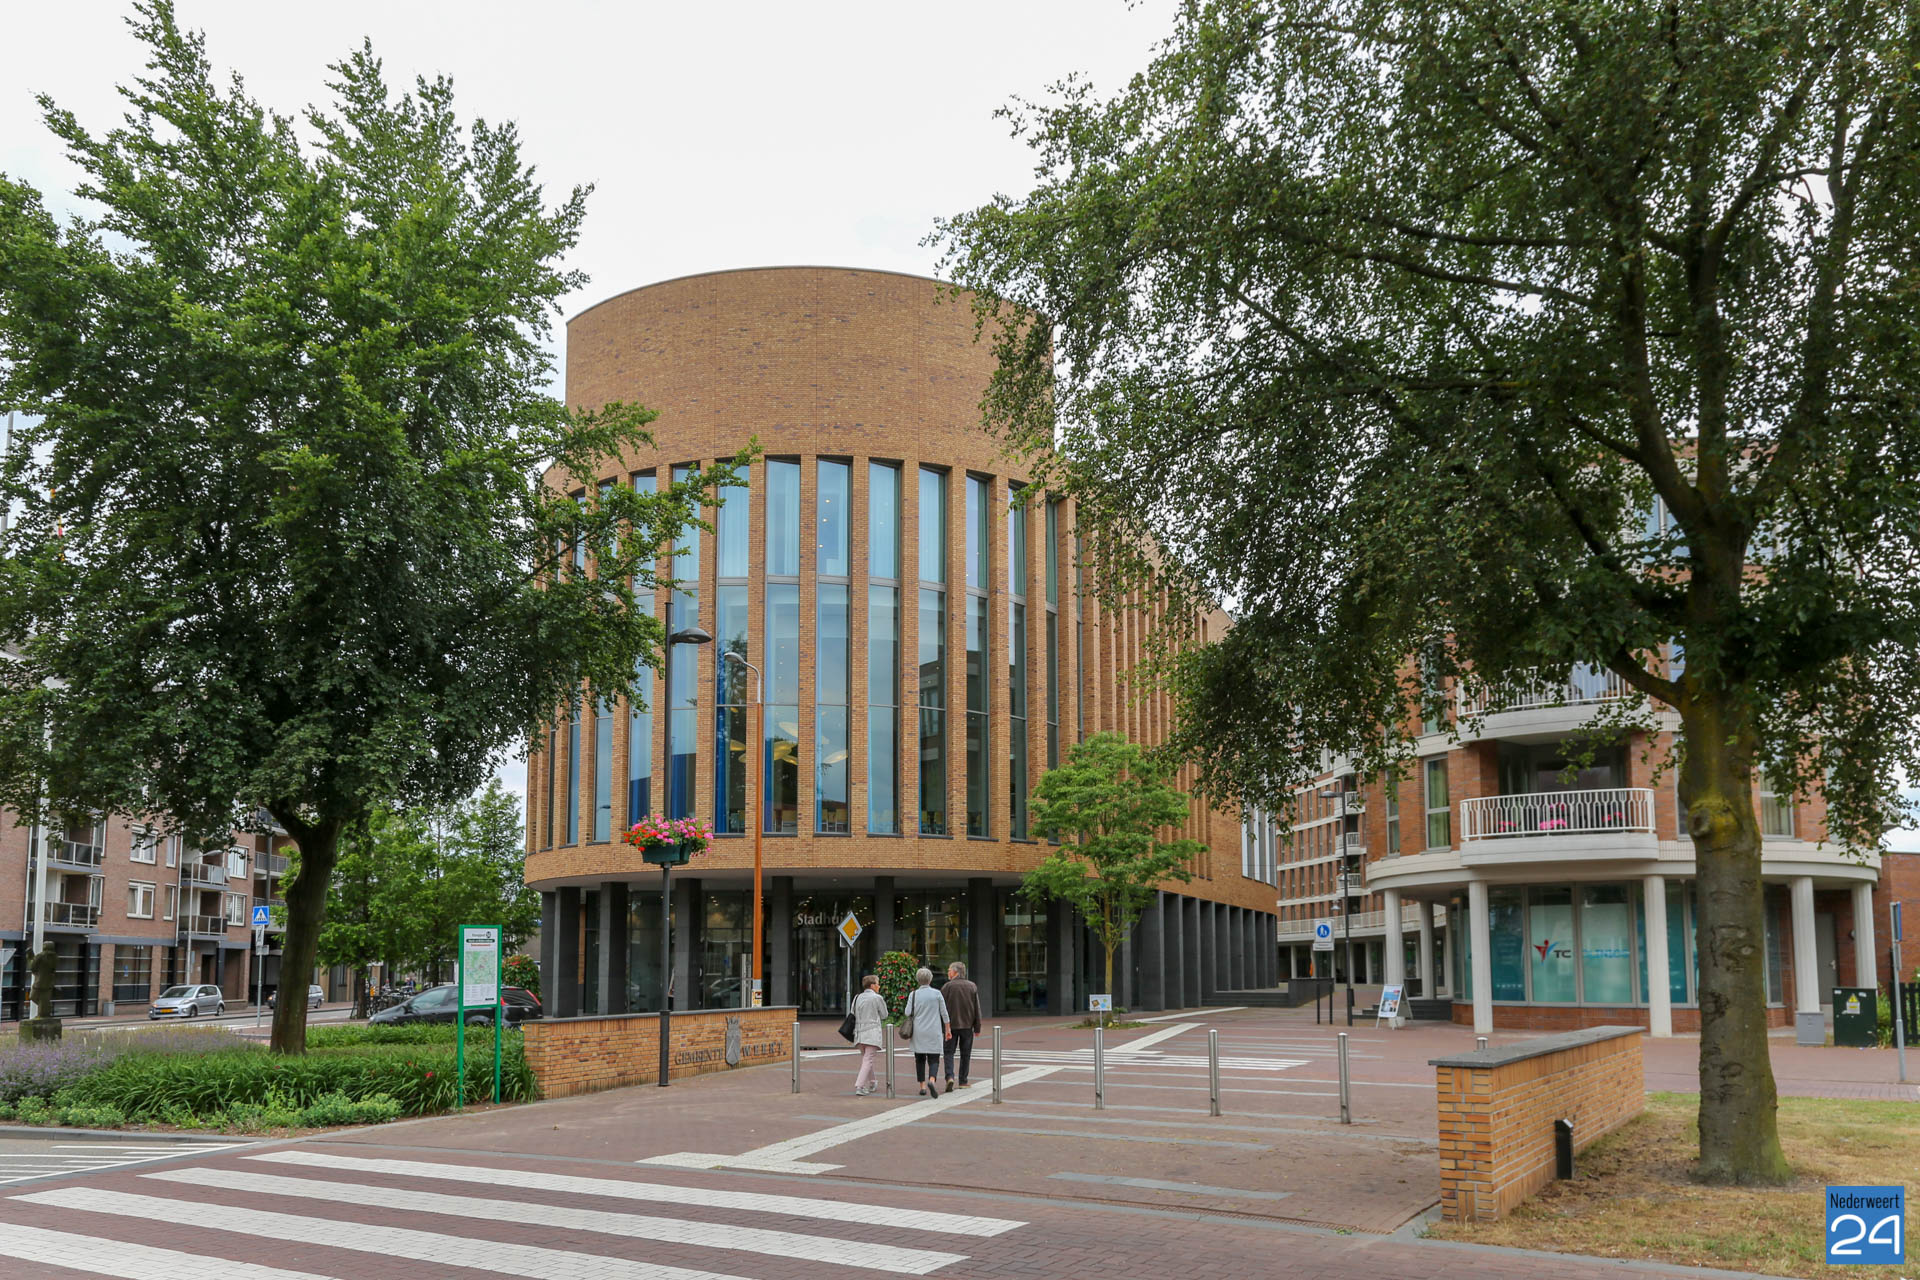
point(306, 905)
point(1739, 1136)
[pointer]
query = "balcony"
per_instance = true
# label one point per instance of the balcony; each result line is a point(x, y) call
point(1547, 814)
point(272, 864)
point(1585, 686)
point(1352, 845)
point(1363, 921)
point(205, 875)
point(73, 915)
point(76, 853)
point(204, 926)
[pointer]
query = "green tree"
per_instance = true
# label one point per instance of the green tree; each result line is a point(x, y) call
point(476, 875)
point(1512, 334)
point(379, 878)
point(1111, 800)
point(285, 536)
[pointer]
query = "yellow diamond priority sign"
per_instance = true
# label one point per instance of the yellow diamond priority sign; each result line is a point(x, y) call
point(850, 929)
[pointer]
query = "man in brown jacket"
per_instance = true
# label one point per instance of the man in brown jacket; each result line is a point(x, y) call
point(963, 1008)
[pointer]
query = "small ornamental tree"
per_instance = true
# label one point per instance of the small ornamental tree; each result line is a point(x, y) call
point(521, 970)
point(1110, 800)
point(897, 980)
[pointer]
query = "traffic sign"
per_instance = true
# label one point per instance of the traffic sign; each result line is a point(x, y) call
point(262, 916)
point(1896, 922)
point(850, 929)
point(1323, 935)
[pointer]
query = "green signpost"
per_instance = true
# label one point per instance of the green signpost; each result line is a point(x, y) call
point(478, 984)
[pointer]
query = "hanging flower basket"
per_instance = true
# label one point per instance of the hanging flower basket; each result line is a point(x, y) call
point(668, 842)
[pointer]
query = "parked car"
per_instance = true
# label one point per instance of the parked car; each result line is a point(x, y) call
point(314, 997)
point(187, 1002)
point(437, 1004)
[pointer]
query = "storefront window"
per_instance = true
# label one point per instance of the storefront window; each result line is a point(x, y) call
point(823, 969)
point(1606, 944)
point(1550, 946)
point(1023, 943)
point(725, 950)
point(1508, 934)
point(931, 927)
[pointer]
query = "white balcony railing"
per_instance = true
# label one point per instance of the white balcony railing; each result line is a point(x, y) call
point(1294, 930)
point(1352, 845)
point(203, 926)
point(1556, 813)
point(1585, 686)
point(76, 915)
point(205, 874)
point(76, 853)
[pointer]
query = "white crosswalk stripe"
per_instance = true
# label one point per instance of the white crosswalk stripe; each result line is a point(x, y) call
point(1083, 1058)
point(652, 1193)
point(124, 1259)
point(445, 1224)
point(711, 1235)
point(83, 1157)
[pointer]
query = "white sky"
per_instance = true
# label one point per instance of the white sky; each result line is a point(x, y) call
point(715, 135)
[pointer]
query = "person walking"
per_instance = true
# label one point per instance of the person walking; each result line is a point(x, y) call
point(963, 1008)
point(924, 1022)
point(869, 1032)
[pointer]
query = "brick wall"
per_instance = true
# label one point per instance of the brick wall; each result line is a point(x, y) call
point(1498, 1107)
point(581, 1055)
point(1569, 1017)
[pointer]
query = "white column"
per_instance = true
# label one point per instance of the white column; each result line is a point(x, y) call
point(1448, 941)
point(1482, 958)
point(1659, 990)
point(1426, 949)
point(1806, 958)
point(1866, 956)
point(1396, 945)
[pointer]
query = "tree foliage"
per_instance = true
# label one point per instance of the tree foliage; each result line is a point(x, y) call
point(285, 538)
point(1111, 800)
point(1511, 334)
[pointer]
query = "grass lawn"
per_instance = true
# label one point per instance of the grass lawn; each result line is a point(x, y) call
point(1633, 1195)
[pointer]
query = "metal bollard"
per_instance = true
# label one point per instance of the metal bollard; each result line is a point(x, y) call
point(1099, 1068)
point(996, 1062)
point(1213, 1069)
point(1346, 1084)
point(887, 1032)
point(1479, 1042)
point(796, 1057)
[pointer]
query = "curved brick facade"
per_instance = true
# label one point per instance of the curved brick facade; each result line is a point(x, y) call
point(855, 369)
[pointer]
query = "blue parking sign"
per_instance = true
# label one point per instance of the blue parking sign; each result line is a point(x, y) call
point(1866, 1225)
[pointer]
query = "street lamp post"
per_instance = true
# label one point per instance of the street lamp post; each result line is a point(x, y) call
point(686, 635)
point(754, 818)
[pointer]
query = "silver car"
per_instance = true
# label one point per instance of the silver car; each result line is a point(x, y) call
point(188, 1002)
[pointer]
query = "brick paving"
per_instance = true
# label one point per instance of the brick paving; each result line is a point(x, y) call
point(1153, 1182)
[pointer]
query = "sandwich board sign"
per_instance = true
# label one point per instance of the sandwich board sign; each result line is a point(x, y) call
point(1389, 1007)
point(1323, 935)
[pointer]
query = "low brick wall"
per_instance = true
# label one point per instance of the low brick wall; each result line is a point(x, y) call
point(1497, 1108)
point(1548, 1017)
point(580, 1055)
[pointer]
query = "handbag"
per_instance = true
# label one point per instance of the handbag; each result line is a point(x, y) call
point(906, 1020)
point(846, 1023)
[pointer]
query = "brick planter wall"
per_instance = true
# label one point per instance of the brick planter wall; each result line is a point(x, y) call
point(580, 1055)
point(1548, 1017)
point(1497, 1108)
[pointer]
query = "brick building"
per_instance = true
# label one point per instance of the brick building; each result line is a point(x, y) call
point(927, 653)
point(131, 911)
point(1576, 889)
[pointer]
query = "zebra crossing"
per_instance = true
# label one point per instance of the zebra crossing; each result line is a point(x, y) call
point(1083, 1058)
point(26, 1160)
point(588, 1227)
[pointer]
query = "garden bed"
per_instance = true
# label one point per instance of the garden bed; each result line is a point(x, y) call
point(1634, 1196)
point(209, 1079)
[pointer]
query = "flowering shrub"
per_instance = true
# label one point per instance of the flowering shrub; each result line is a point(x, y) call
point(41, 1070)
point(896, 973)
point(653, 831)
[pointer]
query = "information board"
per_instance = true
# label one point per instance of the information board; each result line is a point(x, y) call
point(1100, 1004)
point(479, 966)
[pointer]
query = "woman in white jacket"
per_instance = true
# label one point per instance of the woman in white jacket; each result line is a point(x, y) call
point(869, 1032)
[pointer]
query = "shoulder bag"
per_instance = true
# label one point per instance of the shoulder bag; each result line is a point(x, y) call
point(906, 1020)
point(846, 1023)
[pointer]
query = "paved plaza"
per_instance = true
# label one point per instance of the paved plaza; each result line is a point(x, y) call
point(735, 1175)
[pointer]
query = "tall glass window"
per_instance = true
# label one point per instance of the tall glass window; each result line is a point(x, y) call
point(1053, 634)
point(733, 685)
point(1439, 809)
point(553, 758)
point(683, 665)
point(1016, 665)
point(1393, 816)
point(572, 798)
point(883, 648)
point(978, 770)
point(933, 653)
point(1550, 945)
point(1507, 931)
point(1606, 944)
point(832, 658)
point(603, 772)
point(640, 725)
point(780, 811)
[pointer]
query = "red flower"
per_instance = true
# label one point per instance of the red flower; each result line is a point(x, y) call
point(428, 1076)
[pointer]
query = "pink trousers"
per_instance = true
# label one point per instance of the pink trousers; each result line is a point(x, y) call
point(869, 1059)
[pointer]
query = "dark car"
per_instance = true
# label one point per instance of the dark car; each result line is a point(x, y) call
point(437, 1004)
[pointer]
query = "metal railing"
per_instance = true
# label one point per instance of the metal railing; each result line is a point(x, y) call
point(203, 926)
point(205, 873)
point(77, 853)
point(1584, 686)
point(1556, 813)
point(1296, 930)
point(77, 915)
point(273, 864)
